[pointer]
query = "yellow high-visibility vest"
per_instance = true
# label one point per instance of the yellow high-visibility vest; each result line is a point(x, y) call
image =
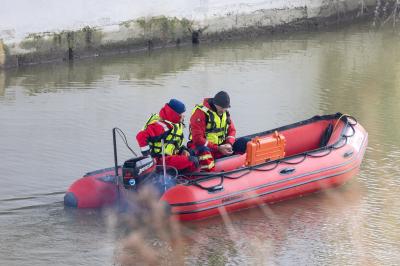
point(173, 138)
point(217, 126)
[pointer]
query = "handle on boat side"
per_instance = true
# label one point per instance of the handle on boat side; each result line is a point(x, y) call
point(348, 153)
point(215, 189)
point(287, 171)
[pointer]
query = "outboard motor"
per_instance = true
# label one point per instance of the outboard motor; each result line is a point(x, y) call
point(136, 170)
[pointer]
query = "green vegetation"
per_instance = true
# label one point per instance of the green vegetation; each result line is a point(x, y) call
point(164, 28)
point(3, 53)
point(157, 29)
point(86, 37)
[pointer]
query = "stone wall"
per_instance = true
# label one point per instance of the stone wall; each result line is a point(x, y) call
point(208, 20)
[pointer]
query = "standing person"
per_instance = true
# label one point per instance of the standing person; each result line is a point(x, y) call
point(167, 125)
point(212, 132)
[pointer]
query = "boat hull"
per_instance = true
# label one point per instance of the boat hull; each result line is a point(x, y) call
point(268, 186)
point(94, 190)
point(245, 187)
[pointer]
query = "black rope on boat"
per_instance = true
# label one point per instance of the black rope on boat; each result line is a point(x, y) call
point(182, 179)
point(312, 154)
point(209, 189)
point(292, 163)
point(123, 137)
point(239, 176)
point(348, 122)
point(352, 134)
point(187, 180)
point(352, 118)
point(249, 169)
point(344, 136)
point(269, 169)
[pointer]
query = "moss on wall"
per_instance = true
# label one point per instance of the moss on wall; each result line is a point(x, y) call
point(161, 27)
point(136, 35)
point(145, 32)
point(84, 38)
point(2, 53)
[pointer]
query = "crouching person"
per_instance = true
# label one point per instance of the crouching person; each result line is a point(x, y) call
point(167, 126)
point(212, 132)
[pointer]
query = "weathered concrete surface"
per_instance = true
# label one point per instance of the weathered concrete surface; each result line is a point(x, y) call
point(229, 21)
point(2, 54)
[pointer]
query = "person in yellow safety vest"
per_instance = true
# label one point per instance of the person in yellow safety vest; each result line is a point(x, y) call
point(212, 132)
point(168, 126)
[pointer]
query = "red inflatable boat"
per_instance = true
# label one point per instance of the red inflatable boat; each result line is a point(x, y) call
point(286, 162)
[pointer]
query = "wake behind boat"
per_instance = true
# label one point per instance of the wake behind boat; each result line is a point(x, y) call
point(270, 166)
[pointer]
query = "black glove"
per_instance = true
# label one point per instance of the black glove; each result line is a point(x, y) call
point(182, 149)
point(194, 160)
point(146, 153)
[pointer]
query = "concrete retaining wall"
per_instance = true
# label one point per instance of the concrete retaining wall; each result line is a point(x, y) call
point(178, 23)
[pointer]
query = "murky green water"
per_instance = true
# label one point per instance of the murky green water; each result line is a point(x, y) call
point(56, 121)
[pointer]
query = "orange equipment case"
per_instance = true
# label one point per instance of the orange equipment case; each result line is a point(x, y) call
point(264, 149)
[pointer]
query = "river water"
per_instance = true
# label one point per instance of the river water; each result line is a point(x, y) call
point(56, 121)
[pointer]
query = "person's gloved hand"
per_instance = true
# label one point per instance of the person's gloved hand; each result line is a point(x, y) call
point(225, 149)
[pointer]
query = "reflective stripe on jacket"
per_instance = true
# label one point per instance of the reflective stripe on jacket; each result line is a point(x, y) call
point(206, 161)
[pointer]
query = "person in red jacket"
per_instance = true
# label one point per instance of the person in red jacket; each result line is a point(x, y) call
point(166, 129)
point(212, 132)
